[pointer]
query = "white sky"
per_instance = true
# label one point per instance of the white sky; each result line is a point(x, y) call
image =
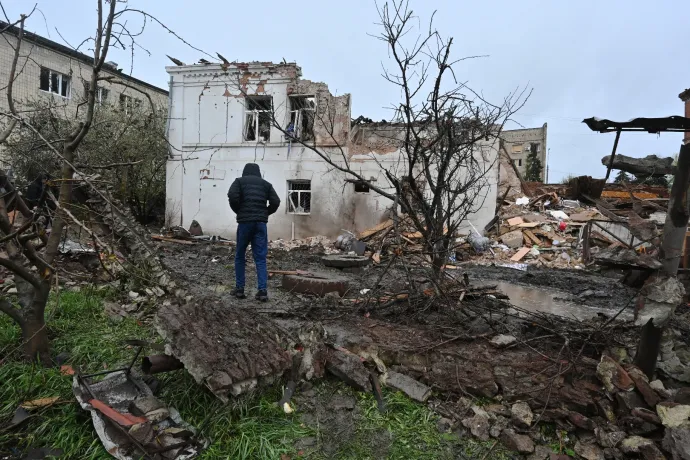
point(618, 59)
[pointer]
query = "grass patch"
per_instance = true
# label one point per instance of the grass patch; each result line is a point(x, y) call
point(253, 427)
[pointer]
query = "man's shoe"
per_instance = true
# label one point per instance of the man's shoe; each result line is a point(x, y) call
point(239, 293)
point(262, 296)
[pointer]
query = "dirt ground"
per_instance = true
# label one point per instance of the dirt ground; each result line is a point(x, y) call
point(438, 343)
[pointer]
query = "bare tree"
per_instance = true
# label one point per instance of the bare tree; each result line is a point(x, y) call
point(447, 133)
point(30, 252)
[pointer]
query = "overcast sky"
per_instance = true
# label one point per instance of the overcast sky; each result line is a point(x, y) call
point(618, 59)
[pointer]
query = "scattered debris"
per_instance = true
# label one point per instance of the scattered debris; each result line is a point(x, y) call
point(114, 403)
point(409, 386)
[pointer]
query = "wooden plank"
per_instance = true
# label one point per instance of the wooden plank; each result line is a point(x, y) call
point(171, 240)
point(529, 224)
point(515, 221)
point(373, 230)
point(531, 236)
point(625, 194)
point(520, 254)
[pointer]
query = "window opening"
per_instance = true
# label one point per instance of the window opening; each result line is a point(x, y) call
point(129, 103)
point(361, 187)
point(299, 197)
point(302, 113)
point(101, 93)
point(258, 115)
point(54, 82)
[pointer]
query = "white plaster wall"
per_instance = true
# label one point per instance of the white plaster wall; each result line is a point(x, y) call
point(207, 116)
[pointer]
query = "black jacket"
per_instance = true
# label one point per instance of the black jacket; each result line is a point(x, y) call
point(248, 196)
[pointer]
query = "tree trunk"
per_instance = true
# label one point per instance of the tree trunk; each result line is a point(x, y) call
point(35, 338)
point(439, 256)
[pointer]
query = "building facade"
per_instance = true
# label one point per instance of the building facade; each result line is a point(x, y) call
point(50, 71)
point(224, 116)
point(519, 143)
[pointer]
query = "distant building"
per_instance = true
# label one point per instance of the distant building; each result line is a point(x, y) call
point(51, 71)
point(685, 97)
point(520, 142)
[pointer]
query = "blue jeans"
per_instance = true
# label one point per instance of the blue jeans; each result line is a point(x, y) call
point(256, 234)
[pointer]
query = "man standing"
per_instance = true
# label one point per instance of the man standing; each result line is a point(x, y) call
point(248, 196)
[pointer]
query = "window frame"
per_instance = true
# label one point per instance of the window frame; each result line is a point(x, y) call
point(100, 93)
point(255, 115)
point(61, 79)
point(129, 103)
point(290, 209)
point(297, 116)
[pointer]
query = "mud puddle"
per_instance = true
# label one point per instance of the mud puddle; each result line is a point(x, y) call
point(554, 302)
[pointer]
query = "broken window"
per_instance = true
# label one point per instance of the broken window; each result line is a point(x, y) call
point(54, 82)
point(101, 93)
point(361, 187)
point(299, 197)
point(302, 111)
point(536, 148)
point(257, 120)
point(129, 103)
point(520, 162)
point(517, 148)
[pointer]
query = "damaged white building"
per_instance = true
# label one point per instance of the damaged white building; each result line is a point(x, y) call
point(222, 117)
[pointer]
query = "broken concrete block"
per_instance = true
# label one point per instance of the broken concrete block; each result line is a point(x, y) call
point(660, 297)
point(521, 414)
point(677, 442)
point(628, 401)
point(609, 439)
point(179, 433)
point(513, 239)
point(651, 452)
point(142, 432)
point(581, 421)
point(613, 376)
point(498, 426)
point(478, 426)
point(620, 256)
point(682, 396)
point(541, 453)
point(632, 444)
point(349, 368)
point(651, 165)
point(142, 406)
point(517, 442)
point(412, 388)
point(672, 415)
point(589, 451)
point(242, 387)
point(646, 415)
point(502, 340)
point(158, 415)
point(643, 387)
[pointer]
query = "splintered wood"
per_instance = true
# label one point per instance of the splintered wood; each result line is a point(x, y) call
point(519, 255)
point(229, 350)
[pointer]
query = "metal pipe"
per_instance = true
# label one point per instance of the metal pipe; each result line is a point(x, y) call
point(613, 154)
point(157, 364)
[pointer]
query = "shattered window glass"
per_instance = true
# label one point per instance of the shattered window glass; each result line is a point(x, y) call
point(258, 118)
point(45, 79)
point(302, 112)
point(299, 197)
point(54, 82)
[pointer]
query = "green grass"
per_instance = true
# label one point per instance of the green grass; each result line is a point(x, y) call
point(249, 428)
